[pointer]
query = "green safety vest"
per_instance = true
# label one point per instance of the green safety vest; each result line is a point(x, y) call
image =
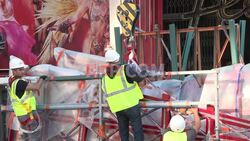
point(175, 136)
point(121, 94)
point(24, 105)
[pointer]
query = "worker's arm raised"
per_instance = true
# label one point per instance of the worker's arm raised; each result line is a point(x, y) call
point(133, 73)
point(197, 124)
point(36, 86)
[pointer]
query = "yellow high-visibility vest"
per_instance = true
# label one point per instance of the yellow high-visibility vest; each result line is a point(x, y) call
point(24, 105)
point(175, 136)
point(121, 94)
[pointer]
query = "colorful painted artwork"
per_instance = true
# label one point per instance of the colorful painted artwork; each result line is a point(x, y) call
point(31, 29)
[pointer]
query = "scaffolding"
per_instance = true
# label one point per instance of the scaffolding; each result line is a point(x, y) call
point(144, 104)
point(180, 49)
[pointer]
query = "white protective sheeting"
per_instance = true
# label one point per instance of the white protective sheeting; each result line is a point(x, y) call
point(87, 63)
point(244, 95)
point(65, 92)
point(231, 79)
point(191, 88)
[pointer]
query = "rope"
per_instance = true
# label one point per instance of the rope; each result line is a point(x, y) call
point(237, 93)
point(60, 56)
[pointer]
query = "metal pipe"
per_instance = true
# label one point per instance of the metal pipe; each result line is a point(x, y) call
point(157, 30)
point(74, 78)
point(111, 134)
point(1, 117)
point(4, 80)
point(101, 124)
point(139, 49)
point(154, 122)
point(8, 108)
point(190, 72)
point(149, 112)
point(163, 104)
point(148, 104)
point(223, 50)
point(166, 49)
point(191, 29)
point(216, 114)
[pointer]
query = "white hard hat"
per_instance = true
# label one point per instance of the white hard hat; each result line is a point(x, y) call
point(111, 56)
point(16, 63)
point(177, 123)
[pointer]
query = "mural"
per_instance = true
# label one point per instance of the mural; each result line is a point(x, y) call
point(31, 29)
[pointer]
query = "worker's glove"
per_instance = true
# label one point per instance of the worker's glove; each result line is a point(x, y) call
point(64, 27)
point(43, 77)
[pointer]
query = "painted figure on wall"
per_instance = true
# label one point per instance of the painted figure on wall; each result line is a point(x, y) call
point(15, 39)
point(79, 25)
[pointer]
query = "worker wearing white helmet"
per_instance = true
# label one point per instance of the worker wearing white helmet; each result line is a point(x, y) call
point(123, 95)
point(177, 131)
point(23, 101)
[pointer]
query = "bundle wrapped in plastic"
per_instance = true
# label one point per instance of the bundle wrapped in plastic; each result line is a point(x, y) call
point(87, 63)
point(231, 82)
point(59, 122)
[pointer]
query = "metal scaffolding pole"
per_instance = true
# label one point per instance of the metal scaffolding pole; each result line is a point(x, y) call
point(190, 72)
point(101, 124)
point(148, 104)
point(217, 110)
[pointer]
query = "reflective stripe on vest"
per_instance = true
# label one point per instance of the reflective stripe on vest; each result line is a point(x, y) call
point(25, 104)
point(125, 87)
point(120, 93)
point(175, 136)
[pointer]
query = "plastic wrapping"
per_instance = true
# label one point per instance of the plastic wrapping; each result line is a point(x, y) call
point(89, 64)
point(55, 123)
point(230, 87)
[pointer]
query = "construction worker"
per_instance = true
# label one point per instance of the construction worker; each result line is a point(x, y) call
point(123, 95)
point(177, 131)
point(23, 101)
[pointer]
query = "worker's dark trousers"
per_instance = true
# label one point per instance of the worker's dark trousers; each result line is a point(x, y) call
point(132, 115)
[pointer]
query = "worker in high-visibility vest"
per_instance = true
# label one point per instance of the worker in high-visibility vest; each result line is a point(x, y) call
point(177, 131)
point(23, 101)
point(123, 94)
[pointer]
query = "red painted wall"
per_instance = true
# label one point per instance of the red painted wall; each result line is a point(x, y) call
point(151, 12)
